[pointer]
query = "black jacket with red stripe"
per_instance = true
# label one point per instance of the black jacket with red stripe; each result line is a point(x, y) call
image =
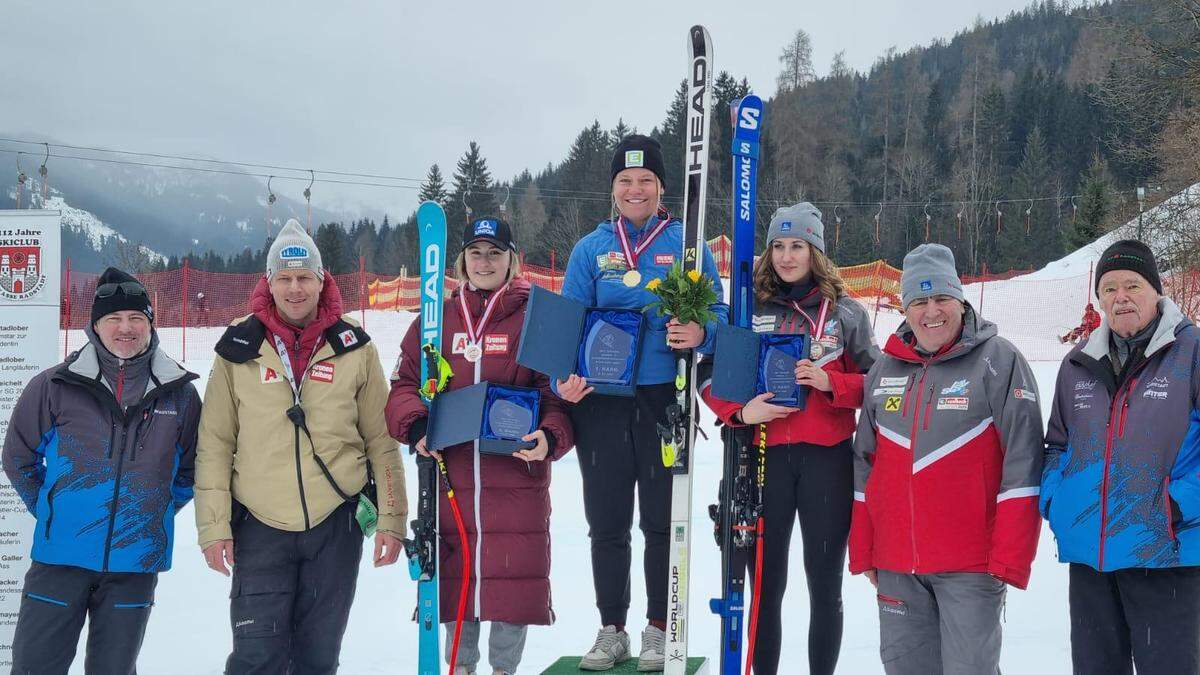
point(948, 459)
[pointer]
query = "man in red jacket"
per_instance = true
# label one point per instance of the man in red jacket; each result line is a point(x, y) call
point(948, 459)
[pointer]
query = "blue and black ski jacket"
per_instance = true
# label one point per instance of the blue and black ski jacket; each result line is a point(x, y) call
point(104, 481)
point(1121, 486)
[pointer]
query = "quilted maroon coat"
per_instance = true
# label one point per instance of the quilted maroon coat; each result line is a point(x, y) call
point(505, 501)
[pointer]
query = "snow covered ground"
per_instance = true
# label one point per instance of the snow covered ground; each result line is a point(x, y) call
point(189, 629)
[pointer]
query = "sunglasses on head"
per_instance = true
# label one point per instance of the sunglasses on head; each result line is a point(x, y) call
point(126, 287)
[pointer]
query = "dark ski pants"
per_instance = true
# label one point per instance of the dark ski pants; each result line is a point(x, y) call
point(1147, 617)
point(940, 624)
point(619, 450)
point(55, 601)
point(291, 594)
point(816, 483)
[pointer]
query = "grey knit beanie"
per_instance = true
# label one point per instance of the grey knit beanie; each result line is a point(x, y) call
point(801, 220)
point(293, 249)
point(929, 271)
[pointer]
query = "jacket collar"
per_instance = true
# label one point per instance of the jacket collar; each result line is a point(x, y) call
point(1171, 322)
point(246, 341)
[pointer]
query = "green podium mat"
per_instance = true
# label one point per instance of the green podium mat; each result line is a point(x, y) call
point(697, 665)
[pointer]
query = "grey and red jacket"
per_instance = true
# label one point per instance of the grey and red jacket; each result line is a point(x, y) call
point(1121, 487)
point(505, 501)
point(846, 350)
point(948, 455)
point(104, 481)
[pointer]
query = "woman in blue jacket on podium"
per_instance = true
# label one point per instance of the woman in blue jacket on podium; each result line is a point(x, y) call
point(616, 437)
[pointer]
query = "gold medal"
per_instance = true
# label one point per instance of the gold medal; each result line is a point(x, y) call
point(632, 278)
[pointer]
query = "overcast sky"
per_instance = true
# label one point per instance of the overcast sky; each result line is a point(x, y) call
point(393, 87)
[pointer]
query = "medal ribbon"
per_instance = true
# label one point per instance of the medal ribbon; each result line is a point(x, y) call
point(816, 328)
point(475, 332)
point(631, 254)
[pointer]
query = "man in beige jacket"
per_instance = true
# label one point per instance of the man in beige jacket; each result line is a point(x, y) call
point(291, 427)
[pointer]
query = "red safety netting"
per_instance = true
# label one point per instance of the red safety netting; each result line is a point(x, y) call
point(1030, 313)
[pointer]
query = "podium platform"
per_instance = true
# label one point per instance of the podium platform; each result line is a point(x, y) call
point(569, 665)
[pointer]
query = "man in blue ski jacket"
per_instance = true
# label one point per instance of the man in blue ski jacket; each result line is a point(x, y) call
point(1121, 484)
point(101, 448)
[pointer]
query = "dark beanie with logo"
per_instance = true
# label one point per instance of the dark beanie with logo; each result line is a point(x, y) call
point(1132, 255)
point(639, 152)
point(118, 291)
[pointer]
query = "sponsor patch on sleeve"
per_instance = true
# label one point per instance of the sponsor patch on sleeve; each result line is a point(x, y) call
point(1024, 394)
point(348, 338)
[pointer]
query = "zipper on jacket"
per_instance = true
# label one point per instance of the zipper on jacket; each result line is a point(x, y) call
point(50, 505)
point(137, 433)
point(112, 514)
point(928, 404)
point(477, 566)
point(1125, 408)
point(1167, 510)
point(908, 390)
point(120, 385)
point(300, 479)
point(1120, 403)
point(912, 476)
point(112, 439)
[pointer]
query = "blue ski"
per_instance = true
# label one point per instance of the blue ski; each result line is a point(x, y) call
point(422, 549)
point(737, 511)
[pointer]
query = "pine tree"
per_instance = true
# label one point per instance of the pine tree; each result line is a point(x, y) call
point(434, 187)
point(1094, 206)
point(671, 136)
point(333, 241)
point(1033, 179)
point(937, 146)
point(472, 187)
point(619, 133)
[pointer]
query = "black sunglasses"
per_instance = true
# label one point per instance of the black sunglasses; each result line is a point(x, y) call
point(126, 287)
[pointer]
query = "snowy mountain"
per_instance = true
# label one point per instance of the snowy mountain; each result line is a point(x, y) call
point(168, 211)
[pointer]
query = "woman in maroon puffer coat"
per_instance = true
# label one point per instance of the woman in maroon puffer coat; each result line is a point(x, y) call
point(505, 501)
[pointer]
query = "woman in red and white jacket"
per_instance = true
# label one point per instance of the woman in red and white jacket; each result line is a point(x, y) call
point(809, 461)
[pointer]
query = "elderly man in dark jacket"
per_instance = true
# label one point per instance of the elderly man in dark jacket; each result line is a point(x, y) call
point(1121, 486)
point(101, 450)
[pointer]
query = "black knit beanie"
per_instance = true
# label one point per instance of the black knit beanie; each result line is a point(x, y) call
point(117, 291)
point(641, 152)
point(1132, 255)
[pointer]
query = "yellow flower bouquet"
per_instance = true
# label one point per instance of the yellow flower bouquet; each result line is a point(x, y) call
point(686, 296)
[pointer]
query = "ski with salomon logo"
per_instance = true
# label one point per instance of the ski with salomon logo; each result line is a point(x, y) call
point(737, 510)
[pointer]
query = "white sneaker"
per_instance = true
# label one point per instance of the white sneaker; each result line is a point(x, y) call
point(611, 648)
point(654, 641)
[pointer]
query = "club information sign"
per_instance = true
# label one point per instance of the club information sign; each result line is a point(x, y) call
point(30, 282)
